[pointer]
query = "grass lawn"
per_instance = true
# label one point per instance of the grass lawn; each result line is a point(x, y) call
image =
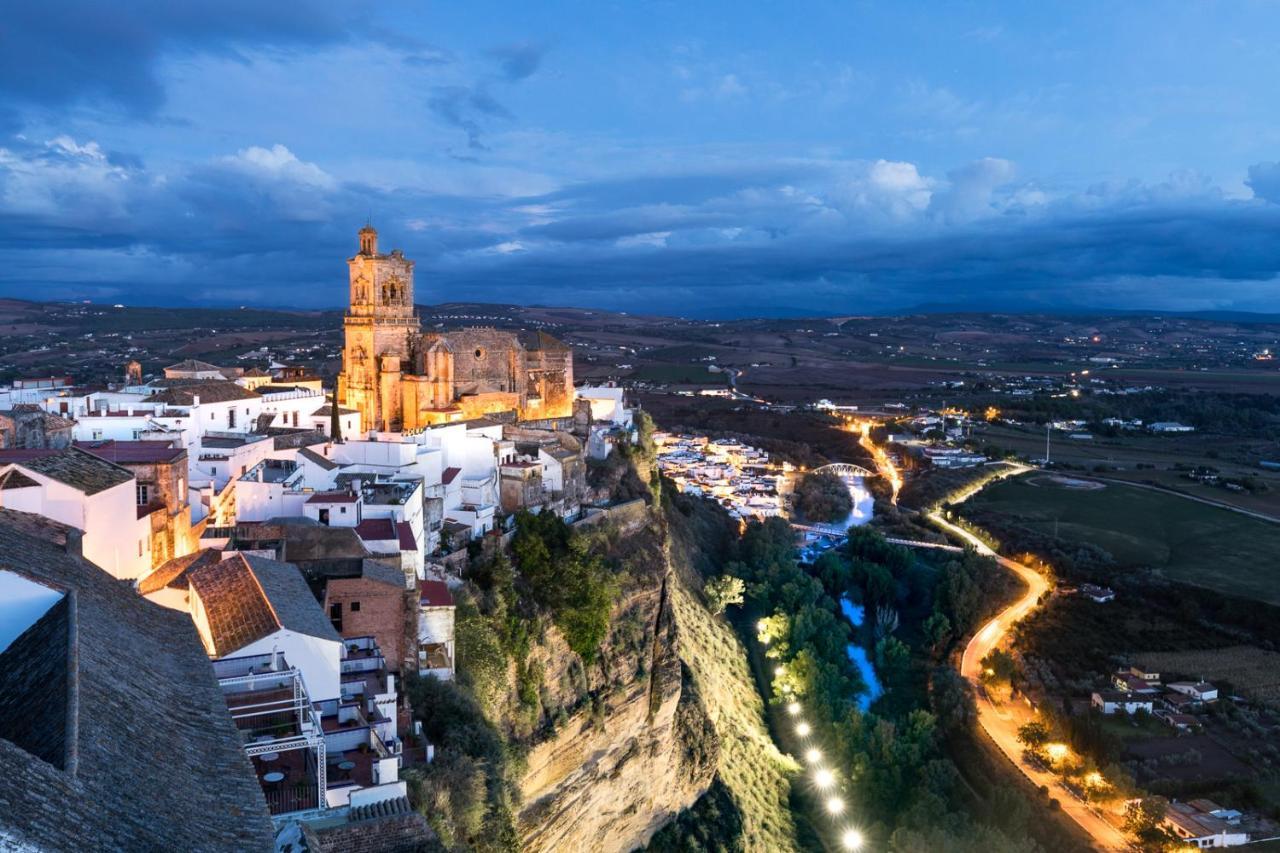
point(1188, 541)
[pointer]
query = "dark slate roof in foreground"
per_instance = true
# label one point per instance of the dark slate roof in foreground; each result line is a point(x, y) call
point(153, 759)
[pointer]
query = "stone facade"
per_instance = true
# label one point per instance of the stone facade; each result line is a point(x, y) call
point(401, 379)
point(28, 427)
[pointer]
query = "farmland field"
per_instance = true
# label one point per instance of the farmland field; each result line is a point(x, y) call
point(1251, 671)
point(1187, 541)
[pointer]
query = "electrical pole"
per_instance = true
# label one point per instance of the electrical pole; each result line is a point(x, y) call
point(1047, 427)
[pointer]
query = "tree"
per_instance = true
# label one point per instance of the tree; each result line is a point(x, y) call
point(892, 659)
point(951, 699)
point(822, 496)
point(724, 591)
point(999, 665)
point(1033, 735)
point(937, 630)
point(335, 422)
point(1142, 820)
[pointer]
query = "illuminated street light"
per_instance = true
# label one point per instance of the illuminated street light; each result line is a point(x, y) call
point(824, 779)
point(1057, 751)
point(803, 729)
point(835, 805)
point(851, 839)
point(813, 756)
point(793, 708)
point(778, 671)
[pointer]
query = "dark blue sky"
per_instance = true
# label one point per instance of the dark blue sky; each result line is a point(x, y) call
point(710, 158)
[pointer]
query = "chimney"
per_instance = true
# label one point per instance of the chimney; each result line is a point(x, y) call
point(75, 542)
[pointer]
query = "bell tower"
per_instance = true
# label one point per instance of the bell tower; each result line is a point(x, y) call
point(378, 327)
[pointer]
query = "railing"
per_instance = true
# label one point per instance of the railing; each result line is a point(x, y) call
point(291, 796)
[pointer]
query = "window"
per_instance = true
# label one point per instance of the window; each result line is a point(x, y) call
point(342, 510)
point(96, 435)
point(137, 434)
point(295, 418)
point(335, 615)
point(231, 418)
point(144, 494)
point(139, 547)
point(355, 607)
point(182, 486)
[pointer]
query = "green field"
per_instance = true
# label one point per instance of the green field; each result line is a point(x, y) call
point(1187, 541)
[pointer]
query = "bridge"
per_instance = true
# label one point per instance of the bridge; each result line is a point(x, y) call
point(844, 469)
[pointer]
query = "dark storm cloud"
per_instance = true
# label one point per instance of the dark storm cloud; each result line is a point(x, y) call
point(264, 226)
point(64, 52)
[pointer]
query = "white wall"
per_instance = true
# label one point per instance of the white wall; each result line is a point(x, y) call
point(317, 659)
point(115, 539)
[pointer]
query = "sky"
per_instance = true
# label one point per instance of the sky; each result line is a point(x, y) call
point(703, 159)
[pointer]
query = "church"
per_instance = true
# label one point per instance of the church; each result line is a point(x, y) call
point(400, 378)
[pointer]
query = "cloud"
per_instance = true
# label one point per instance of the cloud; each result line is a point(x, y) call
point(970, 190)
point(467, 108)
point(1264, 180)
point(81, 52)
point(518, 61)
point(266, 224)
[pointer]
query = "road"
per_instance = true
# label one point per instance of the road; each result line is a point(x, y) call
point(1001, 722)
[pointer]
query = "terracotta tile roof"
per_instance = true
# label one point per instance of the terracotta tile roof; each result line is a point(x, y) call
point(173, 572)
point(405, 533)
point(146, 727)
point(310, 455)
point(435, 594)
point(142, 452)
point(449, 474)
point(327, 410)
point(73, 467)
point(191, 364)
point(15, 479)
point(332, 498)
point(536, 340)
point(247, 598)
point(376, 570)
point(28, 413)
point(376, 529)
point(182, 392)
point(237, 609)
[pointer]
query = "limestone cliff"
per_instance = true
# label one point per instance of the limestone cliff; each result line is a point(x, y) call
point(669, 710)
point(630, 744)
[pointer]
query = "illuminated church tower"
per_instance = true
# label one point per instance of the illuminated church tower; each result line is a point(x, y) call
point(381, 331)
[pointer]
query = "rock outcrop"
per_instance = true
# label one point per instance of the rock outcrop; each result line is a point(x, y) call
point(633, 745)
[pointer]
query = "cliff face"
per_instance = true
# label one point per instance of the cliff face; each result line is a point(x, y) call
point(630, 744)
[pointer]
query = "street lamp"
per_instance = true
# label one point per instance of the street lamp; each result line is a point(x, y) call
point(812, 756)
point(803, 729)
point(835, 805)
point(824, 779)
point(793, 708)
point(851, 839)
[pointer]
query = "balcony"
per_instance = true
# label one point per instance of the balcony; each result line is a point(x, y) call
point(281, 731)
